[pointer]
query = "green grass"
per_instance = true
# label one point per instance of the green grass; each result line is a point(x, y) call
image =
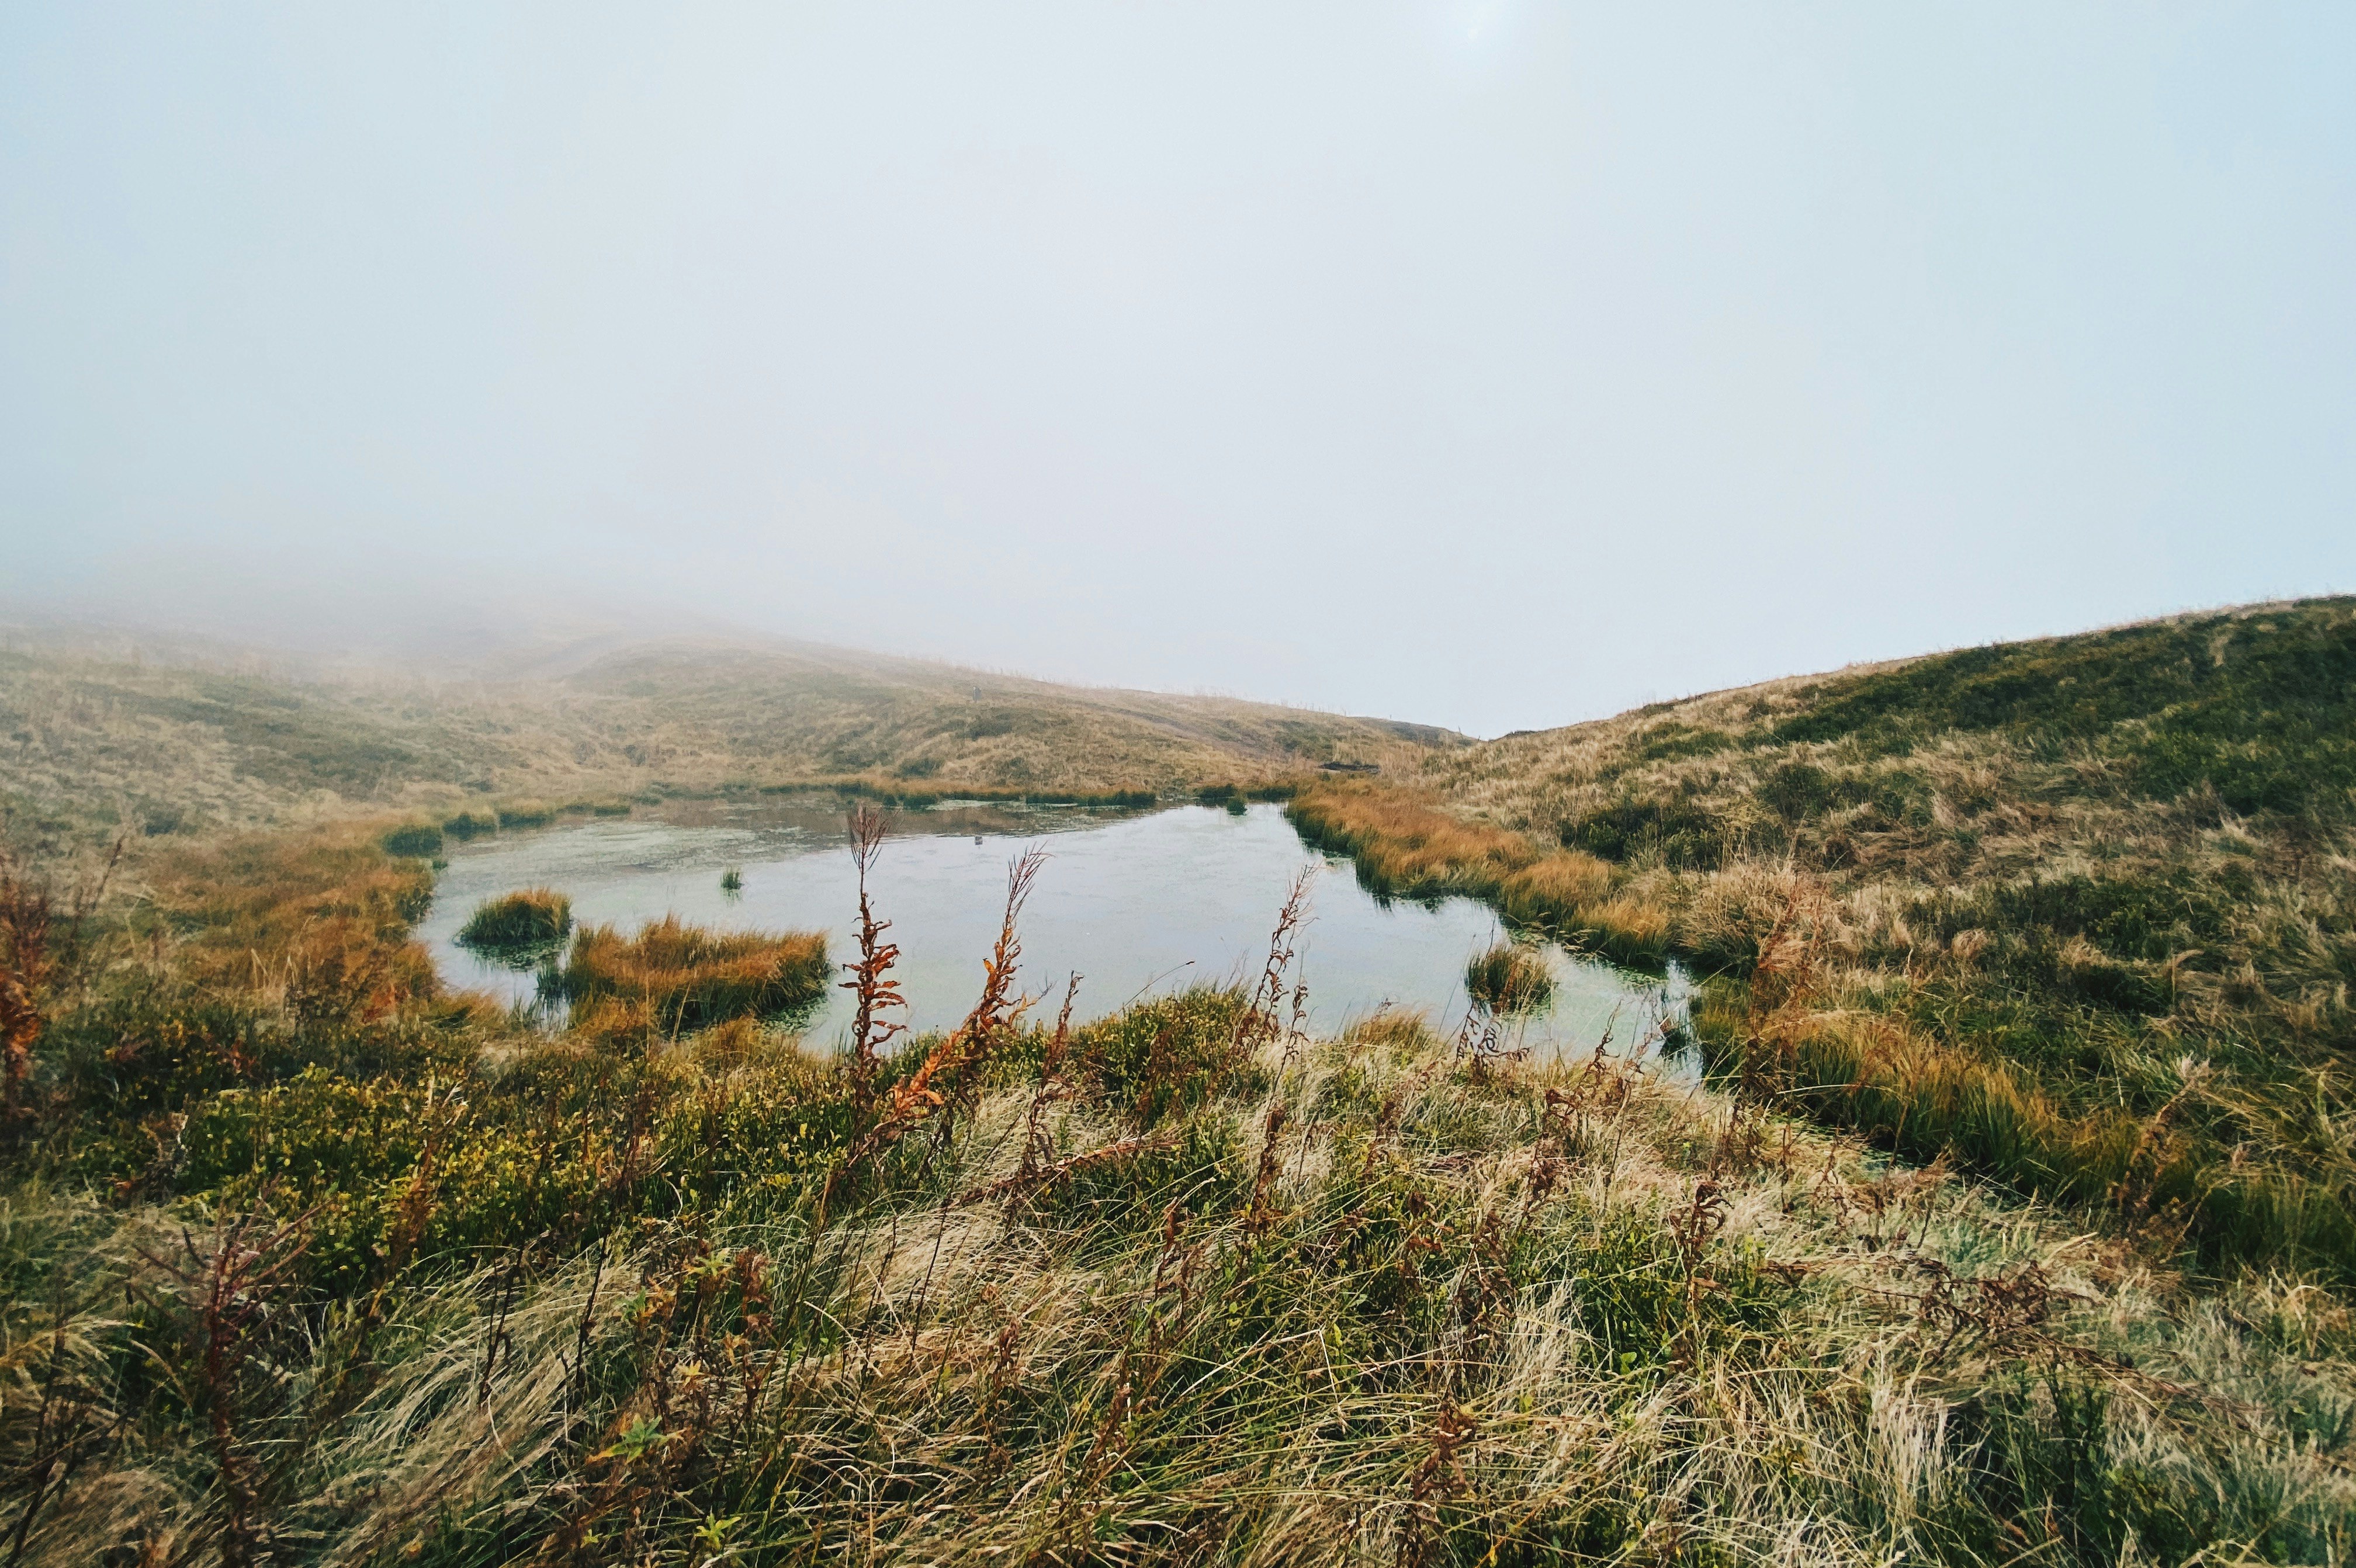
point(1509, 978)
point(422, 840)
point(2080, 912)
point(1176, 1288)
point(533, 917)
point(2012, 1228)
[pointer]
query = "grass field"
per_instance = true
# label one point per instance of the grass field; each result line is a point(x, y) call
point(310, 1263)
point(2080, 913)
point(2007, 1229)
point(99, 740)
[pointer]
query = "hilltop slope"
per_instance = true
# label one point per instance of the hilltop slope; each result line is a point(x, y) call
point(244, 743)
point(2079, 910)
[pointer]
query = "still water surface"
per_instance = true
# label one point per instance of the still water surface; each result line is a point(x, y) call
point(1136, 902)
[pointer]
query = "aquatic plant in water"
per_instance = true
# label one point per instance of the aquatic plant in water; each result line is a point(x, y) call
point(533, 917)
point(683, 976)
point(1511, 977)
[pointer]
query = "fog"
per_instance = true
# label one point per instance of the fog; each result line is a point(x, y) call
point(1487, 365)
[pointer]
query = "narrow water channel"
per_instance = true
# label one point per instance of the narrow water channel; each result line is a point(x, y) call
point(1136, 902)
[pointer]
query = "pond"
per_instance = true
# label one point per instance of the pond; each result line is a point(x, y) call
point(1138, 903)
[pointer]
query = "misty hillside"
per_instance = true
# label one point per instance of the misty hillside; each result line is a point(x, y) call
point(2247, 712)
point(2079, 913)
point(220, 736)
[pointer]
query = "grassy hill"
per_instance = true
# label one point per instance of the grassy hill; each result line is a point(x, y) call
point(308, 1259)
point(2079, 912)
point(184, 745)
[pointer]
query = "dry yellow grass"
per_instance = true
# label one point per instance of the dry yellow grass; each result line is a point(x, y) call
point(678, 978)
point(158, 748)
point(1406, 845)
point(500, 1297)
point(2096, 896)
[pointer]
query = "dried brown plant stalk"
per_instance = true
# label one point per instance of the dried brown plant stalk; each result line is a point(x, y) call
point(227, 1285)
point(946, 1071)
point(870, 980)
point(1263, 1019)
point(1038, 1147)
point(35, 954)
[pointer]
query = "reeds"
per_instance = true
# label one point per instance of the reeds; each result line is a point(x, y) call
point(533, 917)
point(682, 977)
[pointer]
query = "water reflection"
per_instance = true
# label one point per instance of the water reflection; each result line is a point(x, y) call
point(1135, 901)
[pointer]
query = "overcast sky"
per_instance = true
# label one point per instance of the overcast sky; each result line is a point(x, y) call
point(1496, 365)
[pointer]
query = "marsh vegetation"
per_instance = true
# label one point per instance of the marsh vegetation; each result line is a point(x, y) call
point(2009, 1228)
point(673, 978)
point(1510, 979)
point(535, 917)
point(312, 1261)
point(1138, 900)
point(2079, 913)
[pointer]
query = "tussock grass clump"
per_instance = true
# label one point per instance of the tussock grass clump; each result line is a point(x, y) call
point(1553, 890)
point(1406, 847)
point(1509, 978)
point(415, 840)
point(533, 917)
point(526, 814)
point(690, 978)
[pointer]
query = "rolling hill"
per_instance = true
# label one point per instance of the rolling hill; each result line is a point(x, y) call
point(2079, 912)
point(228, 738)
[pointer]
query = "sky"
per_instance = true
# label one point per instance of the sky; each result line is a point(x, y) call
point(1485, 364)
